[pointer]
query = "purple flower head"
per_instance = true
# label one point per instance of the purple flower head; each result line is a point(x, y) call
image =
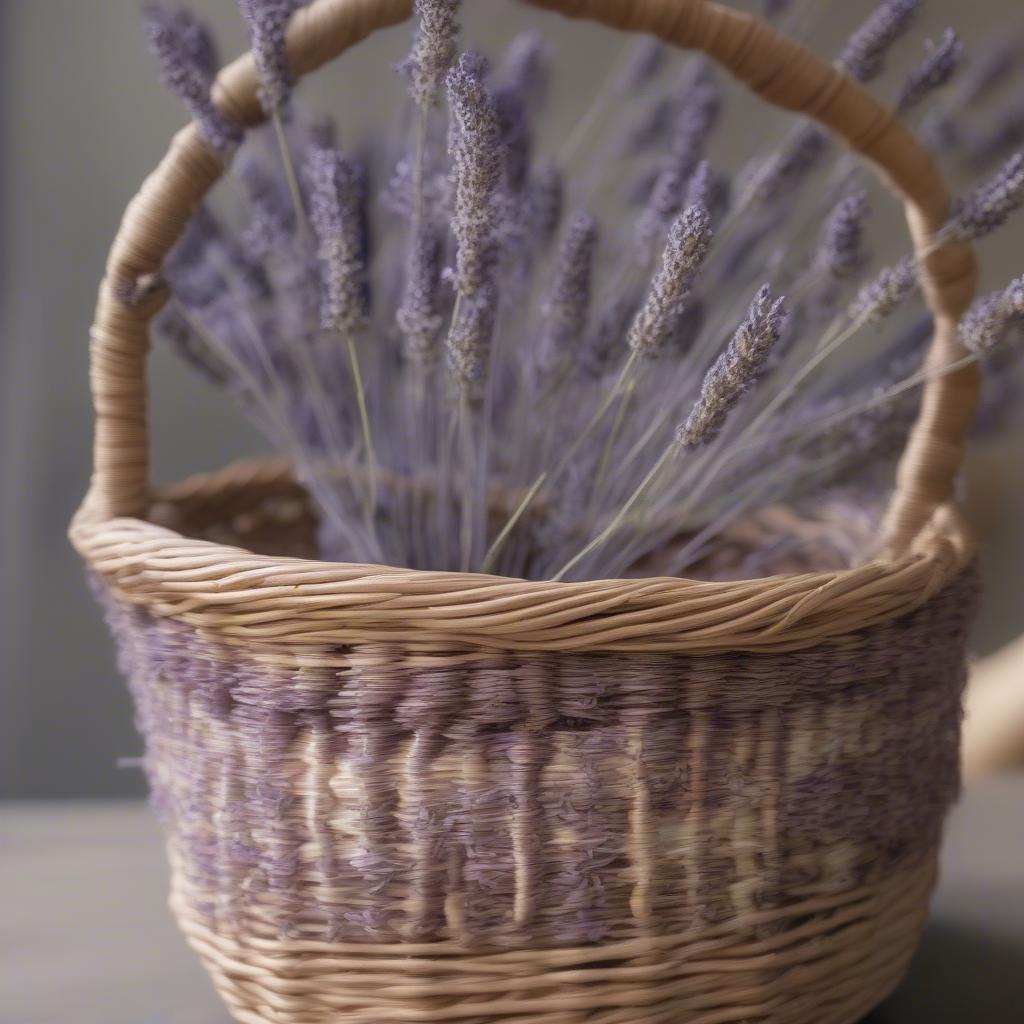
point(268, 23)
point(941, 132)
point(940, 64)
point(525, 69)
point(988, 70)
point(699, 104)
point(434, 49)
point(545, 200)
point(194, 36)
point(735, 371)
point(663, 203)
point(863, 57)
point(689, 239)
point(646, 57)
point(470, 337)
point(337, 215)
point(187, 57)
point(1005, 134)
point(476, 154)
point(881, 296)
point(781, 173)
point(990, 205)
point(708, 189)
point(565, 311)
point(990, 320)
point(840, 252)
point(419, 316)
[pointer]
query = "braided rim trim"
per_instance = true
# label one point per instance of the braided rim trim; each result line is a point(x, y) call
point(292, 601)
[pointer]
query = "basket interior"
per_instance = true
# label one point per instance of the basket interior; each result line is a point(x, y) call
point(262, 508)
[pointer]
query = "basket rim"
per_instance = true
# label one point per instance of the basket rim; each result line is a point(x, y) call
point(288, 601)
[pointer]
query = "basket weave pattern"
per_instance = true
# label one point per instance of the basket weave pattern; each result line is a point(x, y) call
point(399, 797)
point(376, 794)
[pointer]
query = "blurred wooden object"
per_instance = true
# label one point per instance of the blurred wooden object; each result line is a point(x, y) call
point(993, 738)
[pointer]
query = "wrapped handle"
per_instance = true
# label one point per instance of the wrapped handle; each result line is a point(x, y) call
point(773, 66)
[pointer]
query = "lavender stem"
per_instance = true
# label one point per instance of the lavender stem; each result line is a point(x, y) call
point(301, 220)
point(609, 531)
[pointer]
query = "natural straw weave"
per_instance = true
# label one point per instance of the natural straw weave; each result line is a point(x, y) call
point(401, 796)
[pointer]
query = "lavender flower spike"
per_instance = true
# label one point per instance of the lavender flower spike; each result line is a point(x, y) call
point(470, 337)
point(879, 297)
point(188, 62)
point(268, 22)
point(735, 371)
point(525, 67)
point(419, 316)
point(689, 238)
point(565, 311)
point(840, 252)
point(646, 57)
point(989, 206)
point(940, 64)
point(337, 196)
point(476, 155)
point(546, 195)
point(782, 172)
point(863, 57)
point(434, 50)
point(987, 323)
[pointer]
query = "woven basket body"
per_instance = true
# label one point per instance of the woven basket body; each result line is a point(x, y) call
point(399, 796)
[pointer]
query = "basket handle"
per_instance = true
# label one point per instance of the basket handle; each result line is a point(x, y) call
point(773, 66)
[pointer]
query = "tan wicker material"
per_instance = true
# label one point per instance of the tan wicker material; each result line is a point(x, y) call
point(404, 796)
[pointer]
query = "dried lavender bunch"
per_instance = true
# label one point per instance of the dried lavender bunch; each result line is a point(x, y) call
point(188, 63)
point(735, 371)
point(434, 49)
point(464, 244)
point(685, 250)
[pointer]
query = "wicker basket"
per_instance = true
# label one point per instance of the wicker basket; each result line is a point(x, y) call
point(402, 796)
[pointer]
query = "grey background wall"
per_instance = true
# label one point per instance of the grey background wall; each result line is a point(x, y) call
point(82, 120)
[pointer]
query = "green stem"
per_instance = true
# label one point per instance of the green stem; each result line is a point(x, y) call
point(620, 516)
point(467, 478)
point(533, 489)
point(499, 542)
point(289, 174)
point(364, 422)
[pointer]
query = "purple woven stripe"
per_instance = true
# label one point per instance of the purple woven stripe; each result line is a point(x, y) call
point(355, 794)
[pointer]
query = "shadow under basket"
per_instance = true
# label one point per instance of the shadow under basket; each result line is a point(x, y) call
point(395, 796)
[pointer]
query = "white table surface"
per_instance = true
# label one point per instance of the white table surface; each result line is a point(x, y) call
point(86, 938)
